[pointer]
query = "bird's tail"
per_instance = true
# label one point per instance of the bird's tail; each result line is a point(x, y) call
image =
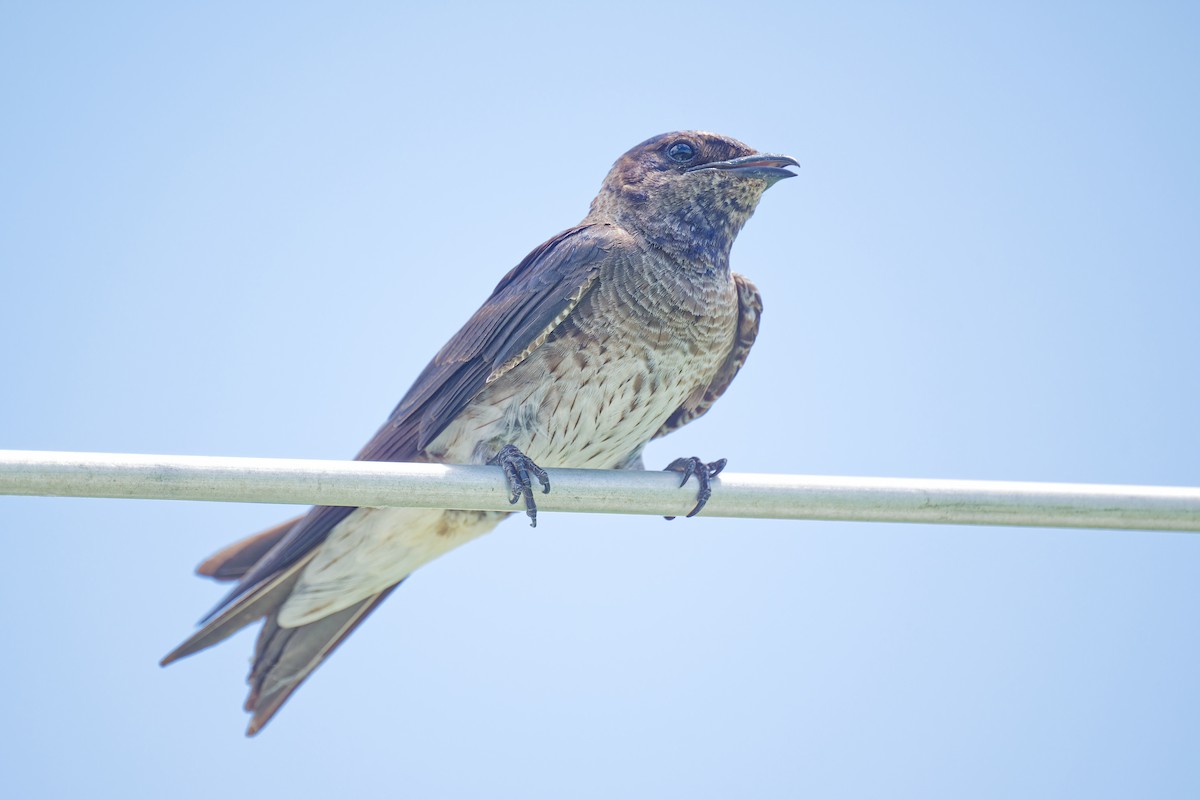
point(284, 657)
point(232, 562)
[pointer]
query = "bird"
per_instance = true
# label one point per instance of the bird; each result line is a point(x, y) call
point(612, 333)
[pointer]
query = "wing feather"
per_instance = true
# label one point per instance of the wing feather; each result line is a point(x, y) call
point(552, 279)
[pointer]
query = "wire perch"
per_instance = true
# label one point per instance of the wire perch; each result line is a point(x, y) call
point(746, 495)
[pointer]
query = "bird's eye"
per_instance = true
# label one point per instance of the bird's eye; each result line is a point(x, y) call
point(681, 152)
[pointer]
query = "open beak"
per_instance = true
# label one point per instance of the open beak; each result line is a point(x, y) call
point(760, 165)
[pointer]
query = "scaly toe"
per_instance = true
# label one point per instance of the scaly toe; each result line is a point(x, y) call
point(704, 474)
point(517, 468)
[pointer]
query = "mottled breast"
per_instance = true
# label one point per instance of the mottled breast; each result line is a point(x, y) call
point(646, 336)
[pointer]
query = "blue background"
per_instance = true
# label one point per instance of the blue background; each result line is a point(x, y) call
point(235, 229)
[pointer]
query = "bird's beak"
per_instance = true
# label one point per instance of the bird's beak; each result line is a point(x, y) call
point(760, 165)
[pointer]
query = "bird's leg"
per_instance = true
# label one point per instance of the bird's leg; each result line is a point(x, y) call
point(704, 474)
point(517, 466)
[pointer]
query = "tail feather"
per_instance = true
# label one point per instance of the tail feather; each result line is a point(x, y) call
point(234, 561)
point(264, 599)
point(285, 657)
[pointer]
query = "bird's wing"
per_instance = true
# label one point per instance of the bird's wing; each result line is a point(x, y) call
point(527, 304)
point(749, 311)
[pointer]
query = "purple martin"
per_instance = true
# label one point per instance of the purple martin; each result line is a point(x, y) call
point(612, 333)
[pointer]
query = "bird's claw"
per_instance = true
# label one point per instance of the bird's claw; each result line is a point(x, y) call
point(704, 474)
point(517, 468)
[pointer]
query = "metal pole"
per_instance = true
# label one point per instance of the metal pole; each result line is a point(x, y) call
point(369, 483)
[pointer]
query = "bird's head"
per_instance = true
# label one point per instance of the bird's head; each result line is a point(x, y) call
point(689, 192)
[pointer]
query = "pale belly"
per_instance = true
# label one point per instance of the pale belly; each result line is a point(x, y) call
point(563, 408)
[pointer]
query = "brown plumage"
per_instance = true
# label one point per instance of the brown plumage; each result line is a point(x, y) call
point(616, 331)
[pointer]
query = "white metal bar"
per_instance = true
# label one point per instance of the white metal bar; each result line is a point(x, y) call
point(369, 483)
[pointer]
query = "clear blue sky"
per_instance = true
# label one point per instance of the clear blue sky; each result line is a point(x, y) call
point(243, 231)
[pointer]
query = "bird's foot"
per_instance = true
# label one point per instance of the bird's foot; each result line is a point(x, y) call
point(704, 474)
point(517, 468)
